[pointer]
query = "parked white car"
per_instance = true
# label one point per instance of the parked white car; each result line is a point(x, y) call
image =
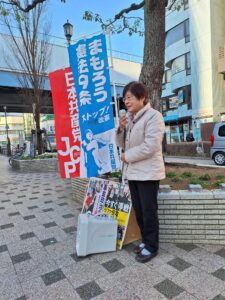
point(217, 150)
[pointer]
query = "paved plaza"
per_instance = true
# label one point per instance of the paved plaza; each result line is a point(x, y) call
point(38, 221)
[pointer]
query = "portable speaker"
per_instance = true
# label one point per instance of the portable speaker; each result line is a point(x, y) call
point(95, 234)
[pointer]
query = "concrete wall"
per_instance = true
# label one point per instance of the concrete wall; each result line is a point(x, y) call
point(79, 187)
point(187, 148)
point(36, 165)
point(192, 217)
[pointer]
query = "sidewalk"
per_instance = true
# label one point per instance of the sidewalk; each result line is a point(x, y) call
point(38, 221)
point(194, 161)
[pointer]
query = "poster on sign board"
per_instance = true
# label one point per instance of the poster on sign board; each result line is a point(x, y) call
point(118, 204)
point(95, 196)
point(111, 198)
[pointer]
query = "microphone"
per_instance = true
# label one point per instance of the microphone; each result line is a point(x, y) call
point(122, 113)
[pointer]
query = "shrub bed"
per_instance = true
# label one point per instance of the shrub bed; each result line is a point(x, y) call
point(42, 163)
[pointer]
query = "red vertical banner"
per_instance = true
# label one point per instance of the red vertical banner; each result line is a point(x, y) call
point(67, 127)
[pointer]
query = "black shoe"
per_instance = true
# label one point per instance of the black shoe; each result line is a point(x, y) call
point(145, 258)
point(137, 249)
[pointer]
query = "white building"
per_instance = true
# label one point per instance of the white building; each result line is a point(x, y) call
point(15, 125)
point(194, 80)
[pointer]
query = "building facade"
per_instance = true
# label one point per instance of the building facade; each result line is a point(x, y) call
point(194, 79)
point(14, 124)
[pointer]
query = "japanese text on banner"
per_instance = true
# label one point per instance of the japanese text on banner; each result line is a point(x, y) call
point(91, 73)
point(66, 122)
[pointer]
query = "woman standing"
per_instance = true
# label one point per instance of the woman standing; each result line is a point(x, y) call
point(140, 135)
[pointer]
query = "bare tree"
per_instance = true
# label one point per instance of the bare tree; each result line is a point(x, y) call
point(29, 54)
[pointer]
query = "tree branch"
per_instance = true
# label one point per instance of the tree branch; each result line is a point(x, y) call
point(171, 4)
point(175, 4)
point(28, 7)
point(127, 10)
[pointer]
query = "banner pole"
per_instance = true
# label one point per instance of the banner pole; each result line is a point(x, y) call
point(112, 76)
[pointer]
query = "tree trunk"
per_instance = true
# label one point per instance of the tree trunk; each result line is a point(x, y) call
point(39, 136)
point(154, 49)
point(37, 121)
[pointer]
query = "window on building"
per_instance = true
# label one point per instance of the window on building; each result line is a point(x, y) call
point(167, 76)
point(188, 63)
point(173, 102)
point(164, 105)
point(177, 33)
point(178, 64)
point(186, 31)
point(222, 131)
point(164, 79)
point(182, 97)
point(181, 63)
point(187, 96)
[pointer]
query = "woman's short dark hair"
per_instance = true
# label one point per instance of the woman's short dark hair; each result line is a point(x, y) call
point(138, 89)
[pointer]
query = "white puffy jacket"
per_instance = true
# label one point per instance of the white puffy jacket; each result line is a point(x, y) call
point(142, 145)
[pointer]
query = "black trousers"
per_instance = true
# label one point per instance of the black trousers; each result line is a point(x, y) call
point(144, 200)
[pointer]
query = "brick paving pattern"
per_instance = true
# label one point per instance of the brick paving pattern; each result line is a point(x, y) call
point(38, 259)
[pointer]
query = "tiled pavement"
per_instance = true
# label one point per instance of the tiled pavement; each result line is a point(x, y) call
point(38, 261)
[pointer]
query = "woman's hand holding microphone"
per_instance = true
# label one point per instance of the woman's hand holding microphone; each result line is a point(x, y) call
point(122, 119)
point(122, 125)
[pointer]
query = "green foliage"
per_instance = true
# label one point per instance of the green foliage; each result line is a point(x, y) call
point(175, 179)
point(171, 174)
point(132, 24)
point(195, 181)
point(186, 175)
point(22, 157)
point(217, 183)
point(220, 177)
point(122, 22)
point(116, 174)
point(204, 177)
point(42, 156)
point(177, 5)
point(3, 11)
point(89, 16)
point(17, 17)
point(46, 155)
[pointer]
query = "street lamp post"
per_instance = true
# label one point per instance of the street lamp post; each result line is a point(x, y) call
point(68, 31)
point(7, 133)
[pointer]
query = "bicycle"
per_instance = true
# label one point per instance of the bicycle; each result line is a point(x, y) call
point(16, 153)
